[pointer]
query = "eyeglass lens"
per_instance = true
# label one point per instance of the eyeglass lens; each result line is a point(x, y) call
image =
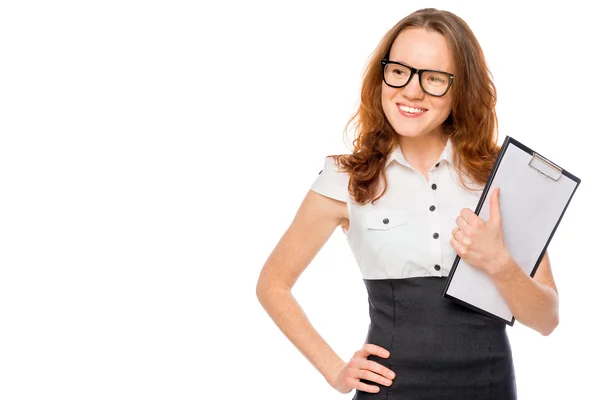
point(434, 83)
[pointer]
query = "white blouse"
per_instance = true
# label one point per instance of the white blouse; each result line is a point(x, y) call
point(407, 233)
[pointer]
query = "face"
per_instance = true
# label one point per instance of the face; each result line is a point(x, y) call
point(421, 49)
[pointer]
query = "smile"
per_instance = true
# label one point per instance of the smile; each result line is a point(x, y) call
point(410, 111)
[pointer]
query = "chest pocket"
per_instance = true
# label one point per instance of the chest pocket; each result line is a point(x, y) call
point(384, 226)
point(383, 219)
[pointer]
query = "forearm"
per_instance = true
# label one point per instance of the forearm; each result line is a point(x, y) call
point(532, 303)
point(288, 315)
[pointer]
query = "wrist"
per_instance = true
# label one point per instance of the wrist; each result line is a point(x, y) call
point(331, 373)
point(502, 265)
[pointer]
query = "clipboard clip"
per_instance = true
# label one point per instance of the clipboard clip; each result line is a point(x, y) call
point(545, 167)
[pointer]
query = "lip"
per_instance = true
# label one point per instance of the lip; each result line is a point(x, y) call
point(407, 115)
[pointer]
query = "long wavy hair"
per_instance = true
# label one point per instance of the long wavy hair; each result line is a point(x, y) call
point(471, 125)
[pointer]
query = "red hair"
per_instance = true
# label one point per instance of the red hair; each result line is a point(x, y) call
point(471, 125)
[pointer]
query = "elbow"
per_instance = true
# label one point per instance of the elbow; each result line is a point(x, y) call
point(262, 286)
point(257, 292)
point(264, 290)
point(269, 286)
point(262, 295)
point(260, 290)
point(550, 327)
point(552, 320)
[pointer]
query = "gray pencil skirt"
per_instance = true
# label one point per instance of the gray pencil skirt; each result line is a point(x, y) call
point(438, 349)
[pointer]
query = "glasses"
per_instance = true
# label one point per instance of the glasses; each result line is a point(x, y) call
point(434, 83)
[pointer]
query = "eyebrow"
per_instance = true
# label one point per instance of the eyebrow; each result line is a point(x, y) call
point(426, 69)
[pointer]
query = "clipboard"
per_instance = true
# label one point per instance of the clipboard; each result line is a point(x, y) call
point(534, 195)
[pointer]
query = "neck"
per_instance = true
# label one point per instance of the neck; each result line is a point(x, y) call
point(423, 151)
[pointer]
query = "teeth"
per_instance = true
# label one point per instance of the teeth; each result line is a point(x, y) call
point(411, 110)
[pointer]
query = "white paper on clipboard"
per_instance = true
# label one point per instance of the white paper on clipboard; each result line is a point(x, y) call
point(534, 194)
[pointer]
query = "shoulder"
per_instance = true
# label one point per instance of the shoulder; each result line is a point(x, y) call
point(332, 181)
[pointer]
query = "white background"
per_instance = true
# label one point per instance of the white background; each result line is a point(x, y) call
point(153, 153)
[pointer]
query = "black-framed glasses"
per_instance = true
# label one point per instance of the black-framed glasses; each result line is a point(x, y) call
point(434, 83)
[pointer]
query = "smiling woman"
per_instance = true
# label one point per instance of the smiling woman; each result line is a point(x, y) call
point(409, 111)
point(426, 143)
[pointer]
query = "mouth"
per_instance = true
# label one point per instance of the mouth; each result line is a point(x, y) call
point(408, 111)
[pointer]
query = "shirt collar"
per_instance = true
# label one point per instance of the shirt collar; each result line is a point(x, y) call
point(398, 156)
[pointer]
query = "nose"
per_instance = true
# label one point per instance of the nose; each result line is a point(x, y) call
point(413, 89)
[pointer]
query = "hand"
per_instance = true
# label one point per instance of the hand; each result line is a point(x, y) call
point(481, 243)
point(347, 375)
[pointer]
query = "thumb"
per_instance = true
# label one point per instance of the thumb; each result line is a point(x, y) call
point(495, 206)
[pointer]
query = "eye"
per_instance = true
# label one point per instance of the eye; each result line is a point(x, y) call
point(437, 79)
point(399, 71)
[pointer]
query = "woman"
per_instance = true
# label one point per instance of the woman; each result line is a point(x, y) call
point(426, 143)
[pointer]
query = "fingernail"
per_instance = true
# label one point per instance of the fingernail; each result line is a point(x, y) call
point(390, 374)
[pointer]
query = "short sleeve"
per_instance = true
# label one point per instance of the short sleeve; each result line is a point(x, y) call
point(331, 182)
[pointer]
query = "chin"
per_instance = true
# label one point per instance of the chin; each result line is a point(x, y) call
point(410, 132)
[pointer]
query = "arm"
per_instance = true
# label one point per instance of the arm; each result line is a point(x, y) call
point(315, 221)
point(533, 301)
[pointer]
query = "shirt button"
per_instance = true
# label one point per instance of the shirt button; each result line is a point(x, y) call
point(434, 186)
point(437, 267)
point(432, 208)
point(436, 235)
point(385, 220)
point(437, 165)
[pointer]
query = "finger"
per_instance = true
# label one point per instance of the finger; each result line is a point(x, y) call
point(370, 348)
point(357, 384)
point(366, 388)
point(462, 224)
point(458, 248)
point(469, 216)
point(373, 377)
point(462, 238)
point(362, 362)
point(458, 235)
point(354, 376)
point(379, 369)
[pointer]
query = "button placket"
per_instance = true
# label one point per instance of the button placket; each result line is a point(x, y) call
point(435, 224)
